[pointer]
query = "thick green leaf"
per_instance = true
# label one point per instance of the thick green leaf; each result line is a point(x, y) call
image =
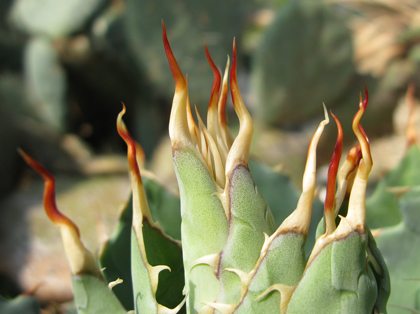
point(337, 280)
point(92, 296)
point(19, 305)
point(249, 218)
point(399, 246)
point(204, 226)
point(381, 206)
point(307, 48)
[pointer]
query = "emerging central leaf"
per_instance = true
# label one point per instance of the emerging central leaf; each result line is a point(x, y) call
point(224, 216)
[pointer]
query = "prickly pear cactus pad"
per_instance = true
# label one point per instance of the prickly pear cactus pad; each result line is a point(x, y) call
point(231, 256)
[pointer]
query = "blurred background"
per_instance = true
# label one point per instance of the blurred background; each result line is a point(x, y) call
point(66, 66)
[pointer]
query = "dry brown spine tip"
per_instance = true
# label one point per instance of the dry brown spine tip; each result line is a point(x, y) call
point(233, 78)
point(176, 71)
point(217, 79)
point(329, 213)
point(131, 145)
point(49, 194)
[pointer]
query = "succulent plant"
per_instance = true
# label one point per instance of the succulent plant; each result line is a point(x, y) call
point(233, 258)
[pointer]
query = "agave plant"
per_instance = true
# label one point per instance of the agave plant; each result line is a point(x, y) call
point(233, 258)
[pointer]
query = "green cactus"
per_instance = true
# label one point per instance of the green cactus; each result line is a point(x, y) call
point(316, 53)
point(233, 258)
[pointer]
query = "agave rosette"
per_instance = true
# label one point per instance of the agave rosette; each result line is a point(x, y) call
point(235, 259)
point(233, 256)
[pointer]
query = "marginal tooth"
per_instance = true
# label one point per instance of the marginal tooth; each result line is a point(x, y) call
point(267, 242)
point(81, 260)
point(222, 308)
point(329, 213)
point(224, 129)
point(244, 277)
point(164, 310)
point(349, 165)
point(178, 122)
point(206, 310)
point(154, 275)
point(112, 284)
point(345, 227)
point(376, 233)
point(222, 196)
point(239, 152)
point(212, 118)
point(374, 262)
point(301, 216)
point(285, 292)
point(247, 277)
point(210, 260)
